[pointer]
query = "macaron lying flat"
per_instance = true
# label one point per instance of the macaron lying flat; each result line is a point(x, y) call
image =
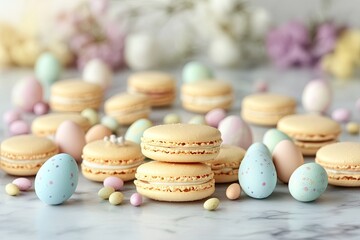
point(203, 96)
point(160, 87)
point(23, 155)
point(75, 95)
point(181, 143)
point(310, 132)
point(111, 157)
point(126, 108)
point(266, 108)
point(342, 163)
point(175, 182)
point(226, 165)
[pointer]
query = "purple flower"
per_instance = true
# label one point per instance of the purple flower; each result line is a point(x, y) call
point(325, 39)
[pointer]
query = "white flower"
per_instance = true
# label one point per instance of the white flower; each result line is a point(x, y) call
point(260, 22)
point(225, 52)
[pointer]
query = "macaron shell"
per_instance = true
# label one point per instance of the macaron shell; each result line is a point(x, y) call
point(154, 81)
point(207, 88)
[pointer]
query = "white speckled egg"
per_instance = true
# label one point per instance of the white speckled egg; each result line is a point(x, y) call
point(257, 174)
point(308, 182)
point(97, 72)
point(316, 96)
point(57, 179)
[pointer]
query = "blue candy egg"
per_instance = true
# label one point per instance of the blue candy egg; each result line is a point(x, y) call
point(196, 71)
point(57, 179)
point(257, 173)
point(136, 130)
point(47, 68)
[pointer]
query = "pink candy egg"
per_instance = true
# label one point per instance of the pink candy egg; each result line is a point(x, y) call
point(11, 116)
point(26, 93)
point(19, 127)
point(341, 115)
point(23, 184)
point(214, 117)
point(234, 131)
point(136, 199)
point(41, 108)
point(114, 182)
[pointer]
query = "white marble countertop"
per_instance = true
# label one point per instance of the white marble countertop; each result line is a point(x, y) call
point(84, 216)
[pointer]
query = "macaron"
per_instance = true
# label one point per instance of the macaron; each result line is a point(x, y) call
point(46, 125)
point(310, 132)
point(175, 182)
point(160, 87)
point(75, 96)
point(203, 96)
point(266, 109)
point(342, 163)
point(111, 157)
point(23, 155)
point(226, 165)
point(181, 142)
point(126, 108)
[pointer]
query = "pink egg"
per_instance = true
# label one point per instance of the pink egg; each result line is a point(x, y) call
point(23, 184)
point(261, 86)
point(136, 199)
point(11, 116)
point(341, 115)
point(26, 93)
point(71, 139)
point(19, 127)
point(41, 108)
point(234, 131)
point(114, 182)
point(214, 117)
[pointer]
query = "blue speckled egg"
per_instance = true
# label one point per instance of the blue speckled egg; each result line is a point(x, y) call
point(57, 179)
point(136, 130)
point(308, 182)
point(196, 71)
point(257, 173)
point(47, 68)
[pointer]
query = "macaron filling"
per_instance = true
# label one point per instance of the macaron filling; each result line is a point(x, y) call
point(110, 167)
point(72, 100)
point(210, 100)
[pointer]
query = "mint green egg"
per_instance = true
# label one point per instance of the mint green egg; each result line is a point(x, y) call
point(198, 119)
point(110, 123)
point(196, 71)
point(48, 68)
point(136, 130)
point(272, 137)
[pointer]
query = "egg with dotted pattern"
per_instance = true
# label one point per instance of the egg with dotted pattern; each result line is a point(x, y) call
point(308, 182)
point(57, 179)
point(257, 173)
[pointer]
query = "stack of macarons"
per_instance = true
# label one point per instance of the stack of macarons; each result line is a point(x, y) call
point(178, 173)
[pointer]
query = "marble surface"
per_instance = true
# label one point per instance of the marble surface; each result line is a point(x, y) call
point(84, 216)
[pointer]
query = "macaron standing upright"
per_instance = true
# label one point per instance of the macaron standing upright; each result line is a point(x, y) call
point(160, 87)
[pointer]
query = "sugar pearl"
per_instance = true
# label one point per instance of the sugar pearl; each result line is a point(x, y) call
point(136, 199)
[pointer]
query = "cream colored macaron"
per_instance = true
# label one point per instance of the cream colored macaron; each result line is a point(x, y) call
point(203, 96)
point(267, 108)
point(310, 132)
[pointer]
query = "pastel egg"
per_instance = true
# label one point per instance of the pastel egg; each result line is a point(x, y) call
point(341, 115)
point(57, 179)
point(48, 68)
point(110, 123)
point(26, 93)
point(136, 130)
point(41, 108)
point(71, 139)
point(136, 199)
point(272, 137)
point(172, 118)
point(308, 182)
point(234, 131)
point(316, 96)
point(91, 114)
point(97, 132)
point(23, 184)
point(233, 191)
point(257, 173)
point(114, 182)
point(214, 117)
point(11, 116)
point(98, 72)
point(287, 157)
point(197, 119)
point(196, 71)
point(19, 127)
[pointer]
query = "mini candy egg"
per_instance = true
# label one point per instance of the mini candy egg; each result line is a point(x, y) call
point(19, 127)
point(47, 68)
point(287, 157)
point(114, 182)
point(57, 179)
point(308, 182)
point(136, 130)
point(316, 96)
point(97, 132)
point(353, 128)
point(341, 115)
point(11, 116)
point(233, 191)
point(26, 93)
point(41, 108)
point(116, 198)
point(172, 118)
point(105, 192)
point(257, 173)
point(214, 117)
point(136, 199)
point(195, 71)
point(11, 189)
point(272, 137)
point(70, 139)
point(197, 119)
point(110, 123)
point(96, 71)
point(234, 131)
point(92, 115)
point(211, 204)
point(23, 184)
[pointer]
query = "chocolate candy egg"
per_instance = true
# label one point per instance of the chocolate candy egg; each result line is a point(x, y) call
point(316, 96)
point(57, 179)
point(234, 131)
point(287, 158)
point(26, 93)
point(257, 174)
point(272, 137)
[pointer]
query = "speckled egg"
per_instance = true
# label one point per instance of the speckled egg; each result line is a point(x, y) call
point(234, 131)
point(97, 132)
point(26, 93)
point(97, 72)
point(136, 130)
point(48, 68)
point(57, 179)
point(316, 96)
point(308, 182)
point(272, 137)
point(287, 157)
point(196, 71)
point(257, 173)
